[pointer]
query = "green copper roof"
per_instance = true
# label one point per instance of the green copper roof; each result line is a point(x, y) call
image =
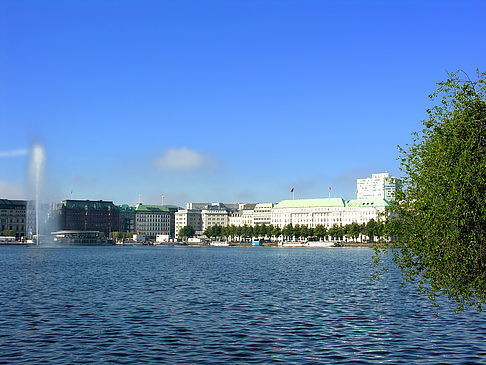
point(310, 203)
point(88, 204)
point(151, 208)
point(378, 203)
point(126, 208)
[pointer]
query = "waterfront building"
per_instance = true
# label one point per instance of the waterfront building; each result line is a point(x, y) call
point(152, 220)
point(362, 211)
point(127, 218)
point(188, 217)
point(173, 209)
point(379, 186)
point(88, 215)
point(308, 212)
point(247, 215)
point(215, 214)
point(242, 216)
point(327, 212)
point(234, 219)
point(13, 217)
point(262, 213)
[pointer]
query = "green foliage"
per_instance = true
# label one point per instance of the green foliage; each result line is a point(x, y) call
point(439, 218)
point(118, 236)
point(320, 231)
point(8, 233)
point(186, 231)
point(214, 231)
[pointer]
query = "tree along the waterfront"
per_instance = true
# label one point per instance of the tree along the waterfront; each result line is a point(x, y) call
point(439, 217)
point(350, 232)
point(119, 236)
point(186, 231)
point(8, 233)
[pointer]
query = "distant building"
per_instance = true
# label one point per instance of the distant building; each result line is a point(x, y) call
point(89, 215)
point(127, 218)
point(152, 220)
point(379, 186)
point(13, 217)
point(215, 214)
point(327, 212)
point(252, 214)
point(173, 209)
point(262, 214)
point(188, 217)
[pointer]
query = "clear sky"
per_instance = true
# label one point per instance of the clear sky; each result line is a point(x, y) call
point(231, 100)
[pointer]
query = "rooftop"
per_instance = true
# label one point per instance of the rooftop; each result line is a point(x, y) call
point(368, 203)
point(151, 208)
point(311, 203)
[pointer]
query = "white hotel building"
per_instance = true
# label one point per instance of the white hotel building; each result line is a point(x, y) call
point(326, 212)
point(374, 195)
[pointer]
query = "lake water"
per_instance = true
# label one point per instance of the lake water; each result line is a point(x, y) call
point(220, 305)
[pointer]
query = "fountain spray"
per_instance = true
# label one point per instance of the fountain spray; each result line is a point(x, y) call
point(37, 166)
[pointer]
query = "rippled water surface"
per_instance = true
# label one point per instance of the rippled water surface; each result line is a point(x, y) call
point(220, 305)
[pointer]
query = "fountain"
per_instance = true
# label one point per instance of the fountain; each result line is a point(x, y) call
point(37, 159)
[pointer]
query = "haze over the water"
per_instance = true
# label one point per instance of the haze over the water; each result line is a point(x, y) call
point(221, 100)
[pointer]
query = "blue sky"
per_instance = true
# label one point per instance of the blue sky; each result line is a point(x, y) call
point(234, 101)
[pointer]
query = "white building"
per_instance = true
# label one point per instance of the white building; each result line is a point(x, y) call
point(214, 215)
point(188, 217)
point(242, 216)
point(326, 212)
point(262, 214)
point(379, 186)
point(234, 219)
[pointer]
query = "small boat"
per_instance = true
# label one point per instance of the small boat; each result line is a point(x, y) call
point(219, 243)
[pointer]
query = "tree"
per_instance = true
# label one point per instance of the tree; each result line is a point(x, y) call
point(276, 232)
point(186, 231)
point(372, 229)
point(320, 231)
point(8, 233)
point(439, 217)
point(354, 230)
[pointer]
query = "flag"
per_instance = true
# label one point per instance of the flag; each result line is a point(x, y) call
point(292, 190)
point(329, 188)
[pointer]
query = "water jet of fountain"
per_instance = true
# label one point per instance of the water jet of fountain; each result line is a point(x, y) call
point(36, 168)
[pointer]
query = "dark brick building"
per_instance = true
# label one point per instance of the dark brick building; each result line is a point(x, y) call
point(89, 215)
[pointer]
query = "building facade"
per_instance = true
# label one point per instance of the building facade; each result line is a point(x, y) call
point(152, 220)
point(127, 218)
point(327, 212)
point(215, 214)
point(262, 213)
point(89, 215)
point(379, 186)
point(13, 217)
point(188, 217)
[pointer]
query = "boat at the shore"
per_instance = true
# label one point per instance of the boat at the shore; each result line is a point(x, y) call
point(218, 243)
